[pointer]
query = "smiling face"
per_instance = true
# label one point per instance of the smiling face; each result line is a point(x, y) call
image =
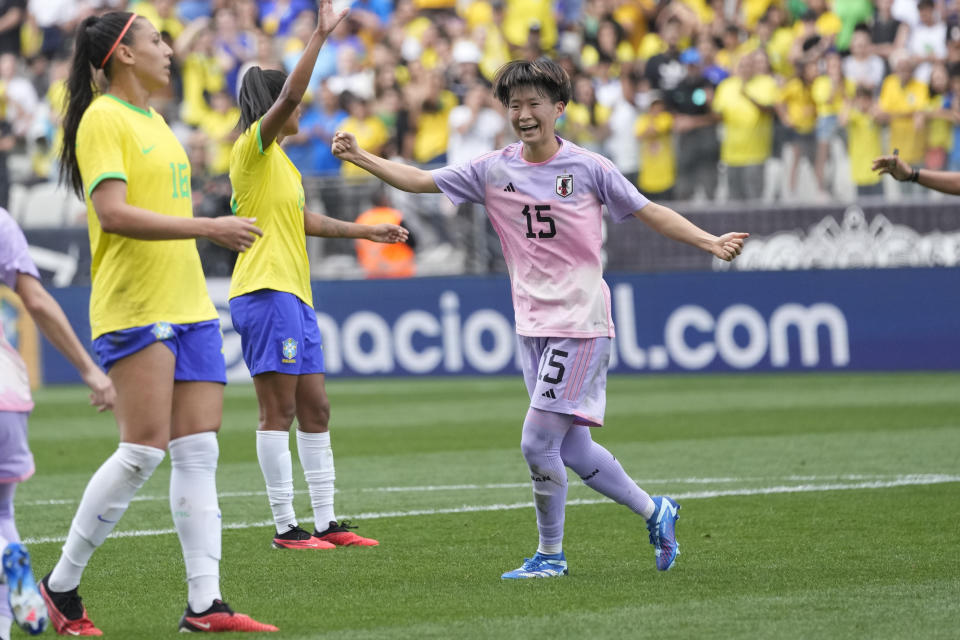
point(533, 115)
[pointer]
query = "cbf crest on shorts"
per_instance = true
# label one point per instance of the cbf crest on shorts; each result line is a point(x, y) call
point(289, 350)
point(565, 185)
point(162, 331)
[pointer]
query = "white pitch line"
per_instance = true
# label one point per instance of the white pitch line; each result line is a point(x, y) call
point(506, 485)
point(899, 481)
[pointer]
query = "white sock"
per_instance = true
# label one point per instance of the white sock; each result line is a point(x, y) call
point(273, 452)
point(5, 624)
point(550, 549)
point(196, 515)
point(104, 501)
point(316, 457)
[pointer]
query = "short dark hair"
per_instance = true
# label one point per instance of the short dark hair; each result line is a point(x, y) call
point(543, 74)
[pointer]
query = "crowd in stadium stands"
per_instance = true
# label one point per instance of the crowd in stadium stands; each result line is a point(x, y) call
point(692, 99)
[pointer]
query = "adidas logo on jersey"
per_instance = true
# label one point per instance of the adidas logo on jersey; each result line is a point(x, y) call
point(510, 188)
point(549, 394)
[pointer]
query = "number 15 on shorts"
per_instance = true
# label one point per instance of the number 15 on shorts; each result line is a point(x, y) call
point(552, 369)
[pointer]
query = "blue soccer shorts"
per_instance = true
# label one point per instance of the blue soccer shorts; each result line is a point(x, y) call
point(197, 347)
point(278, 333)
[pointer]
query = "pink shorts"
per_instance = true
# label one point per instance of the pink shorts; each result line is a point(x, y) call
point(567, 375)
point(16, 461)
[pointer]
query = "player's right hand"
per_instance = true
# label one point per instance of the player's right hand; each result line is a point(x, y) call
point(344, 146)
point(234, 233)
point(327, 20)
point(102, 393)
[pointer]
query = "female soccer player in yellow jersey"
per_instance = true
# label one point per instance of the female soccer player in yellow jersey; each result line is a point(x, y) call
point(271, 302)
point(155, 329)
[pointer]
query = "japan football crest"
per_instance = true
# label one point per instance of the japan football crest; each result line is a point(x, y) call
point(565, 185)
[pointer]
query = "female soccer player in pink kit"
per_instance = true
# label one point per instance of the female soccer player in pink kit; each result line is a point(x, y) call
point(20, 599)
point(544, 197)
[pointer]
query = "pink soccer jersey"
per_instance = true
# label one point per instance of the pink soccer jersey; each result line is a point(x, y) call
point(14, 259)
point(548, 217)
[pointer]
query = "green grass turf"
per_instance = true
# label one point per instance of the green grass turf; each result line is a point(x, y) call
point(851, 562)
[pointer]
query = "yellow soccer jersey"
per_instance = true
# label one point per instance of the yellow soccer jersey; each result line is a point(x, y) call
point(829, 103)
point(902, 102)
point(268, 187)
point(747, 130)
point(139, 282)
point(863, 145)
point(939, 130)
point(658, 165)
point(800, 105)
point(371, 135)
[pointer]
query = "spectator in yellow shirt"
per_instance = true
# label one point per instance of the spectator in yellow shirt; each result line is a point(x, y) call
point(798, 113)
point(430, 105)
point(520, 14)
point(904, 98)
point(162, 14)
point(745, 102)
point(862, 121)
point(658, 163)
point(365, 126)
point(219, 123)
point(939, 120)
point(585, 121)
point(830, 91)
point(203, 72)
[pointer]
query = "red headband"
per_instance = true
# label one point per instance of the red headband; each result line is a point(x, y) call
point(123, 32)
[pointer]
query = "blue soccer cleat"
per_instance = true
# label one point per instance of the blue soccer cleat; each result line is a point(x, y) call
point(541, 565)
point(25, 600)
point(662, 528)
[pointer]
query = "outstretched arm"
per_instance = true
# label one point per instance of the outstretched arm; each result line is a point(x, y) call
point(671, 224)
point(54, 324)
point(396, 174)
point(945, 181)
point(296, 84)
point(321, 226)
point(116, 215)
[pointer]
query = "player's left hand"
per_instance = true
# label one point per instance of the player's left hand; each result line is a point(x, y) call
point(388, 233)
point(729, 245)
point(893, 165)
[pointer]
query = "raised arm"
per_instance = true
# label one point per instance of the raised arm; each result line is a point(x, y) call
point(402, 176)
point(116, 215)
point(671, 224)
point(54, 324)
point(298, 80)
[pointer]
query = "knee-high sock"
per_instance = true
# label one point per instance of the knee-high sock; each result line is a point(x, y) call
point(602, 472)
point(196, 514)
point(273, 452)
point(316, 457)
point(8, 534)
point(543, 433)
point(104, 501)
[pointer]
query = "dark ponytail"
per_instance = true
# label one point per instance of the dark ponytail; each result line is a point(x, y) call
point(94, 39)
point(258, 91)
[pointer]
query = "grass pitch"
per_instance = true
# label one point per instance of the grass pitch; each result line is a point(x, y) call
point(814, 506)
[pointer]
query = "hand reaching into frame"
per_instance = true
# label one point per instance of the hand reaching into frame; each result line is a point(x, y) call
point(729, 245)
